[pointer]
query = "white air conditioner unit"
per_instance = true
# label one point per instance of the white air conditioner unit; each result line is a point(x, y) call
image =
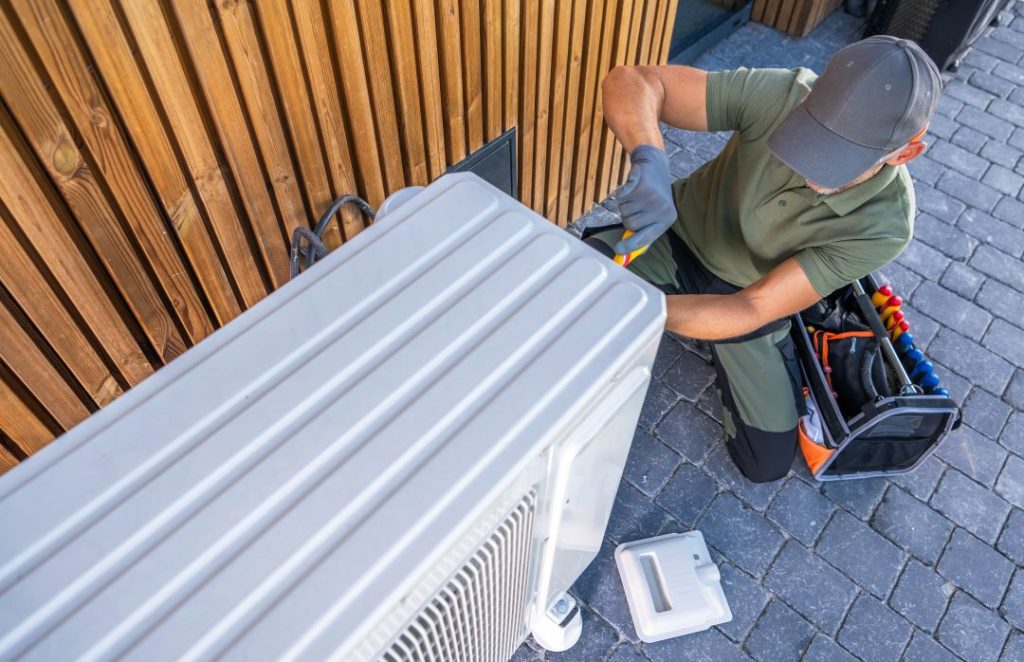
point(407, 453)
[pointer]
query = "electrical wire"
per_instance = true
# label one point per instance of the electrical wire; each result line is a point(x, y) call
point(307, 245)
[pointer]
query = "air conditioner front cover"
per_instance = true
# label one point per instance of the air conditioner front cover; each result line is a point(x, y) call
point(282, 480)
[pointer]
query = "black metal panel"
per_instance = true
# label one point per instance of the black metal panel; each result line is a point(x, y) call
point(495, 163)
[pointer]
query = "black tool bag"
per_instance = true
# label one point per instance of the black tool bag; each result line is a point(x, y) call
point(872, 424)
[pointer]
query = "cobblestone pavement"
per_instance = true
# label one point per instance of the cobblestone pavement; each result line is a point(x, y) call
point(927, 566)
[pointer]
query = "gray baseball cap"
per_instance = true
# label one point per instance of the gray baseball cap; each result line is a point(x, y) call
point(875, 95)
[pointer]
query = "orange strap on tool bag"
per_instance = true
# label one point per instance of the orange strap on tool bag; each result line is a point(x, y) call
point(854, 367)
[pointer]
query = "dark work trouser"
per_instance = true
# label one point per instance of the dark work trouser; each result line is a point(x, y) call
point(758, 379)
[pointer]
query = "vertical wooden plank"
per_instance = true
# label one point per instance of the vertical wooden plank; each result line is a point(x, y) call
point(20, 424)
point(492, 69)
point(560, 206)
point(620, 160)
point(313, 31)
point(79, 181)
point(430, 85)
point(592, 176)
point(356, 99)
point(545, 64)
point(7, 460)
point(31, 366)
point(472, 67)
point(289, 81)
point(212, 184)
point(371, 20)
point(112, 54)
point(668, 25)
point(405, 63)
point(592, 73)
point(557, 106)
point(211, 67)
point(610, 147)
point(450, 38)
point(528, 95)
point(511, 31)
point(247, 57)
point(29, 287)
point(46, 232)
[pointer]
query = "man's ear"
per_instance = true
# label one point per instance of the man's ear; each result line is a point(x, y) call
point(908, 153)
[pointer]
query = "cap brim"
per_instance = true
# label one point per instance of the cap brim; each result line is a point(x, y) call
point(818, 154)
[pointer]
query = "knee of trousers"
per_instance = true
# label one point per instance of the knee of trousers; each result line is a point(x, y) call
point(762, 456)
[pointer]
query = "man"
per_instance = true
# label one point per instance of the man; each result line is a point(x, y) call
point(810, 193)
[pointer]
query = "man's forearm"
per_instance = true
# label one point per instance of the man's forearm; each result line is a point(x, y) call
point(632, 104)
point(711, 316)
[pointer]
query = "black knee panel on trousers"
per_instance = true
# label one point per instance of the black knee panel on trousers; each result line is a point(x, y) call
point(762, 456)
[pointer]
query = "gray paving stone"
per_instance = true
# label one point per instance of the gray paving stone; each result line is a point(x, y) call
point(861, 554)
point(746, 598)
point(780, 634)
point(962, 279)
point(1014, 651)
point(970, 139)
point(1007, 341)
point(901, 279)
point(1012, 436)
point(984, 412)
point(958, 158)
point(972, 453)
point(938, 204)
point(921, 482)
point(957, 386)
point(973, 97)
point(1002, 301)
point(1011, 211)
point(597, 645)
point(1001, 266)
point(980, 120)
point(922, 327)
point(923, 648)
point(952, 310)
point(689, 431)
point(947, 108)
point(860, 497)
point(801, 511)
point(742, 535)
point(634, 516)
point(650, 463)
point(944, 238)
point(721, 467)
point(710, 404)
point(684, 162)
point(968, 504)
point(982, 61)
point(972, 631)
point(1014, 393)
point(912, 525)
point(1003, 180)
point(1011, 481)
point(660, 399)
point(1010, 71)
point(627, 652)
point(1001, 153)
point(872, 631)
point(994, 85)
point(923, 259)
point(1013, 606)
point(991, 230)
point(600, 588)
point(707, 646)
point(921, 596)
point(926, 170)
point(525, 654)
point(971, 360)
point(670, 350)
point(976, 568)
point(810, 586)
point(998, 49)
point(823, 649)
point(974, 193)
point(689, 376)
point(688, 494)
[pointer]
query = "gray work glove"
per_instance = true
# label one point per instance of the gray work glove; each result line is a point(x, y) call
point(645, 201)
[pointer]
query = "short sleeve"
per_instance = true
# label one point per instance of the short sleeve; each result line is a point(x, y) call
point(832, 266)
point(750, 101)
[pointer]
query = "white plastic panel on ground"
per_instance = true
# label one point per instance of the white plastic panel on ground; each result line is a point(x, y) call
point(270, 489)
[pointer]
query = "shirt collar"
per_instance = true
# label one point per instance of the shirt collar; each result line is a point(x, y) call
point(846, 201)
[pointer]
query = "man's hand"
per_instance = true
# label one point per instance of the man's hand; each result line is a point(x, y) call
point(645, 201)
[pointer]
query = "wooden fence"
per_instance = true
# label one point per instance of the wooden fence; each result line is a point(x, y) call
point(156, 154)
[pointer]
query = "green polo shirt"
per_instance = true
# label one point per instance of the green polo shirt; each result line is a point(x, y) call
point(745, 211)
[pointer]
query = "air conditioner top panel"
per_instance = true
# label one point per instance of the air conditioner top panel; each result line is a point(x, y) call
point(260, 490)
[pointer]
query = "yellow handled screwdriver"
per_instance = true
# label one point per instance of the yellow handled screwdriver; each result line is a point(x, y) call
point(624, 260)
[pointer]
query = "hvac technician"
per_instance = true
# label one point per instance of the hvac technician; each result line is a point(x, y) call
point(810, 193)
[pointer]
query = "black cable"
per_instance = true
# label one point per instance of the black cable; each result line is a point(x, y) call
point(308, 246)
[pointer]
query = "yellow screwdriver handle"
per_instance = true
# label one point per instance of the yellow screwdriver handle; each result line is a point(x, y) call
point(626, 259)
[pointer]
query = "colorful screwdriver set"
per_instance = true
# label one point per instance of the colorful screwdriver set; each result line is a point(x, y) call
point(920, 370)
